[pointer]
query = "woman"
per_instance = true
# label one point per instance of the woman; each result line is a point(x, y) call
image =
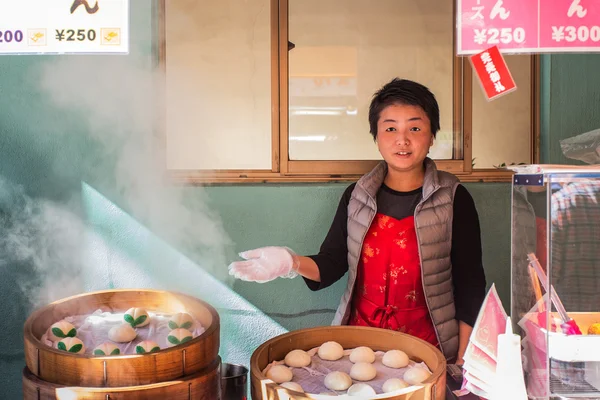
point(407, 234)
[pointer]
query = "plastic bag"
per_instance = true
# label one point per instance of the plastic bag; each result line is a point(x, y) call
point(584, 147)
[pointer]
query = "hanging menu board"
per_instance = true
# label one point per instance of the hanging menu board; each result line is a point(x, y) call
point(64, 26)
point(528, 26)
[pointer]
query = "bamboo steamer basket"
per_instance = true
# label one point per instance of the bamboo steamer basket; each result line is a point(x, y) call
point(68, 369)
point(204, 385)
point(434, 388)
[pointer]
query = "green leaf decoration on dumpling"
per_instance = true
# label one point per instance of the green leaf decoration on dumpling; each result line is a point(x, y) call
point(99, 352)
point(140, 320)
point(76, 348)
point(58, 333)
point(155, 349)
point(186, 339)
point(186, 325)
point(61, 346)
point(173, 325)
point(72, 333)
point(115, 352)
point(173, 339)
point(129, 319)
point(140, 350)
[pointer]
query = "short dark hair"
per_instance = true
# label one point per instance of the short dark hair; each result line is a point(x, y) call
point(404, 91)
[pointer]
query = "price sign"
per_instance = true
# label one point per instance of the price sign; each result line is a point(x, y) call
point(528, 26)
point(571, 25)
point(509, 24)
point(64, 26)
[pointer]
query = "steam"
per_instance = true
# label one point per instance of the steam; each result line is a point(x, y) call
point(38, 241)
point(116, 99)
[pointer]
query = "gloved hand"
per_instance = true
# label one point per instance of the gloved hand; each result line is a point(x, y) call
point(265, 264)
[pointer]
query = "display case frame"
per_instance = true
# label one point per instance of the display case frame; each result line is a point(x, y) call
point(555, 245)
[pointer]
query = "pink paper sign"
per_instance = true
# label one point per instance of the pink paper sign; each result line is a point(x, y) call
point(490, 323)
point(528, 26)
point(475, 356)
point(573, 24)
point(508, 24)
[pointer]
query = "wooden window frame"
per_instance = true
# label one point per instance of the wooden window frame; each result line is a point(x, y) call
point(295, 171)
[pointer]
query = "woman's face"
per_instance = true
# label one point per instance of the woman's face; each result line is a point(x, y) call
point(404, 136)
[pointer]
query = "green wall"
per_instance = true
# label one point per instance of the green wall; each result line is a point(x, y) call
point(573, 100)
point(80, 208)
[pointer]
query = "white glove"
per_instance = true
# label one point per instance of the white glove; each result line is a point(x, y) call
point(265, 264)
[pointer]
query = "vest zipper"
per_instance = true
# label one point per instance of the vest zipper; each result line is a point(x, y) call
point(417, 209)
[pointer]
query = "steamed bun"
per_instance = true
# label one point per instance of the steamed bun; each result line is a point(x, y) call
point(362, 354)
point(331, 351)
point(181, 320)
point(71, 344)
point(136, 317)
point(416, 375)
point(146, 346)
point(362, 390)
point(338, 380)
point(363, 371)
point(60, 330)
point(395, 359)
point(178, 336)
point(393, 384)
point(280, 374)
point(122, 333)
point(297, 359)
point(293, 386)
point(107, 349)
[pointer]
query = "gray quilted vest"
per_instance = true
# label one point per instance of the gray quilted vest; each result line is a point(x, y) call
point(433, 224)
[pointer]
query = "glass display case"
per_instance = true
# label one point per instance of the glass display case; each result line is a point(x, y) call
point(555, 278)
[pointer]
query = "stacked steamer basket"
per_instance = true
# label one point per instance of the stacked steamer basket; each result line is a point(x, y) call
point(433, 388)
point(186, 371)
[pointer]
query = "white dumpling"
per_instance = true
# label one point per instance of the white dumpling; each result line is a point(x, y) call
point(181, 320)
point(61, 330)
point(362, 390)
point(331, 351)
point(280, 374)
point(395, 359)
point(107, 349)
point(297, 359)
point(338, 380)
point(71, 344)
point(122, 333)
point(146, 346)
point(179, 336)
point(363, 371)
point(362, 354)
point(416, 375)
point(293, 386)
point(136, 317)
point(393, 384)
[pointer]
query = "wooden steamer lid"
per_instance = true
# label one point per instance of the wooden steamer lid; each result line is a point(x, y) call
point(434, 388)
point(68, 369)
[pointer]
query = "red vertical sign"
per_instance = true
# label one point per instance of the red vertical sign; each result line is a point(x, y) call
point(493, 73)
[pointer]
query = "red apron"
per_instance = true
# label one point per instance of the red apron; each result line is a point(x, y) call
point(389, 289)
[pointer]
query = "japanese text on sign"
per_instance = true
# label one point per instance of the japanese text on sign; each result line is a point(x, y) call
point(493, 72)
point(518, 26)
point(64, 26)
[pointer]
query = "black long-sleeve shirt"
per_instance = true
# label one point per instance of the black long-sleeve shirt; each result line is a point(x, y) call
point(466, 255)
